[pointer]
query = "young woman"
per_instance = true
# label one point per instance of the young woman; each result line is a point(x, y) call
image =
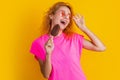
point(59, 56)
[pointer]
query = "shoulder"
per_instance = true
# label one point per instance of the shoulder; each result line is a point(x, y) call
point(77, 35)
point(74, 36)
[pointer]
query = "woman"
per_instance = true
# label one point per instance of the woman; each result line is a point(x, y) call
point(59, 56)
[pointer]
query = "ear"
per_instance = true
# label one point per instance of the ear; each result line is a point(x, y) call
point(51, 16)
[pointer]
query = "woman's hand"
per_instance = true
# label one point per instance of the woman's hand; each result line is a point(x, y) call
point(94, 43)
point(80, 22)
point(49, 46)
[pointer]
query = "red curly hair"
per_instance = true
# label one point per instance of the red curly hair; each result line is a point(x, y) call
point(51, 11)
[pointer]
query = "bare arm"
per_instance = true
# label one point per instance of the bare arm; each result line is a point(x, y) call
point(46, 66)
point(94, 44)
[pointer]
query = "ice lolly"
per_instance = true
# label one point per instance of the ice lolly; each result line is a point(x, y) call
point(55, 30)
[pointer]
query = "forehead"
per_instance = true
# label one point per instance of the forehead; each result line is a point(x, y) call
point(64, 8)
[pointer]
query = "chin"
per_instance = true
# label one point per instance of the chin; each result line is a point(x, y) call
point(62, 27)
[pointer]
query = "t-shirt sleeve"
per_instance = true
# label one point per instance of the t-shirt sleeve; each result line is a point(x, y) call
point(37, 51)
point(80, 39)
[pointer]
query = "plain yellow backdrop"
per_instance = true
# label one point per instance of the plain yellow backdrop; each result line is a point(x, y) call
point(20, 22)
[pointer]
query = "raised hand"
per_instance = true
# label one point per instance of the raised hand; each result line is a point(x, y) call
point(49, 46)
point(79, 20)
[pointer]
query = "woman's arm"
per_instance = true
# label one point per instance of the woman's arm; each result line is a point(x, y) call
point(95, 44)
point(45, 65)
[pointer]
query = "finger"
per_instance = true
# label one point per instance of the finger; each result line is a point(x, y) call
point(82, 18)
point(51, 40)
point(79, 15)
point(75, 18)
point(48, 42)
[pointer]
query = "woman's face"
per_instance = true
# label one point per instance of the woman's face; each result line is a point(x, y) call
point(61, 17)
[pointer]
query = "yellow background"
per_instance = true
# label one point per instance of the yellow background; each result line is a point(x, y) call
point(20, 22)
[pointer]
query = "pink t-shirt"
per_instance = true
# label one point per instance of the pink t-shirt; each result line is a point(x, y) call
point(65, 58)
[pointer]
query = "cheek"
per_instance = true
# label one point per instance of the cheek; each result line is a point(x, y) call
point(68, 21)
point(57, 18)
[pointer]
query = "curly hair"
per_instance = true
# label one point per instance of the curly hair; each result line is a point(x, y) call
point(47, 21)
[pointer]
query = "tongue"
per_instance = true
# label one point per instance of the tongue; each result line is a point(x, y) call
point(55, 30)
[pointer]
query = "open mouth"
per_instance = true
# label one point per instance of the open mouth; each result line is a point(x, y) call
point(62, 22)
